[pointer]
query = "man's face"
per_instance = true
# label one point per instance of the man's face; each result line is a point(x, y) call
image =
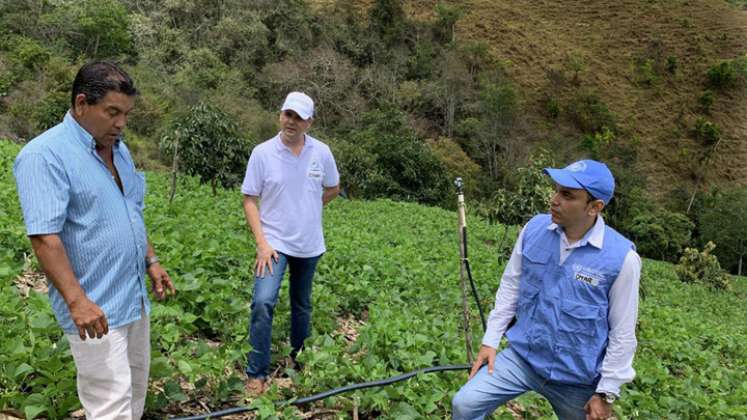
point(292, 126)
point(571, 207)
point(106, 119)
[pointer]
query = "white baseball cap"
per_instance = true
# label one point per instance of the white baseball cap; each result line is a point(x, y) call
point(299, 102)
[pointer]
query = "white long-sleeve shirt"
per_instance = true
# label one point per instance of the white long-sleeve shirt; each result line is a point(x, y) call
point(617, 366)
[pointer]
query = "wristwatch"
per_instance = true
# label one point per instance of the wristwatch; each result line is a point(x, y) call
point(150, 261)
point(607, 397)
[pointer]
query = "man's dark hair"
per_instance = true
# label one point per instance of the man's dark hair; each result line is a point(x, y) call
point(97, 78)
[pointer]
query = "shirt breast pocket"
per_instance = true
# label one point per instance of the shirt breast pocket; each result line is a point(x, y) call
point(535, 263)
point(137, 193)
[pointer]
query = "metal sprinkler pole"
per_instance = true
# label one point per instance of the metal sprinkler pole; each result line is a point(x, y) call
point(462, 252)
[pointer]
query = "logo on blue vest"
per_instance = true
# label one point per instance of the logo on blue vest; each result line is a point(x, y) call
point(587, 275)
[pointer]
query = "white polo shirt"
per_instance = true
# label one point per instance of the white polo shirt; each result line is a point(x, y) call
point(290, 191)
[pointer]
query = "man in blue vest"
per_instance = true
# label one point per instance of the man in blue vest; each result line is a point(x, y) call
point(572, 284)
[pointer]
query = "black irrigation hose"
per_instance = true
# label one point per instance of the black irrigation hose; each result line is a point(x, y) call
point(332, 392)
point(465, 261)
point(474, 293)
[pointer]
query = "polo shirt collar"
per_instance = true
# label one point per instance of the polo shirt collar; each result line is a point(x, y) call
point(83, 137)
point(280, 146)
point(594, 237)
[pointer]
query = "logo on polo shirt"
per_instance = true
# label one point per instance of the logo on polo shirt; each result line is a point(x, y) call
point(315, 170)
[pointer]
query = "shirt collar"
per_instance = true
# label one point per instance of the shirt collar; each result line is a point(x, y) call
point(280, 146)
point(594, 237)
point(83, 137)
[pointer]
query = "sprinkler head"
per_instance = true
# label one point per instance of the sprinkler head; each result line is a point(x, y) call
point(459, 185)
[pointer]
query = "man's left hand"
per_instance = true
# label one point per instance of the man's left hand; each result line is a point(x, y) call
point(597, 409)
point(162, 284)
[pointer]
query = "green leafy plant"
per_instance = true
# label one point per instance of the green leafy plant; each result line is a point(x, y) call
point(702, 266)
point(707, 131)
point(386, 300)
point(728, 73)
point(705, 101)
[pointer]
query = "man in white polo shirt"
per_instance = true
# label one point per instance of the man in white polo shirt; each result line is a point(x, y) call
point(288, 180)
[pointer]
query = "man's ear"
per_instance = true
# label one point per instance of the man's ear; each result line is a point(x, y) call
point(78, 104)
point(596, 207)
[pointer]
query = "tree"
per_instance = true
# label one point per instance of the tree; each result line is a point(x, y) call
point(209, 146)
point(385, 159)
point(388, 21)
point(446, 19)
point(95, 28)
point(724, 221)
point(661, 233)
point(530, 196)
point(498, 108)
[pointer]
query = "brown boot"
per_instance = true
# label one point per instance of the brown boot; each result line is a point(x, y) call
point(255, 387)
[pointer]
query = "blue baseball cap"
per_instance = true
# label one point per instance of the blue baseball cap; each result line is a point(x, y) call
point(590, 175)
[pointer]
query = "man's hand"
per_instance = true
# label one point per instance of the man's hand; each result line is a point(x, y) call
point(88, 317)
point(486, 354)
point(265, 257)
point(162, 284)
point(597, 409)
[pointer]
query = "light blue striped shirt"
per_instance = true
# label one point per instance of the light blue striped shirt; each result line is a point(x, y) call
point(65, 188)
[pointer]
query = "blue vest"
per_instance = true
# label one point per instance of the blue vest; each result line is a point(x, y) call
point(561, 316)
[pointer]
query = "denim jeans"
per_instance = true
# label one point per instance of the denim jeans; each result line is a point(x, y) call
point(511, 377)
point(266, 290)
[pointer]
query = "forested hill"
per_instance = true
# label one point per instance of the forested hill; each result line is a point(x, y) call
point(411, 94)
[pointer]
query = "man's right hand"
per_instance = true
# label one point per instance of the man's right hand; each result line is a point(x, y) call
point(486, 354)
point(266, 255)
point(89, 318)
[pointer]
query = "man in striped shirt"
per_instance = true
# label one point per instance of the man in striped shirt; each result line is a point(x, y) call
point(82, 202)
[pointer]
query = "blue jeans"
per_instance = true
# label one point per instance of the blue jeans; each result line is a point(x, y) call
point(266, 290)
point(511, 377)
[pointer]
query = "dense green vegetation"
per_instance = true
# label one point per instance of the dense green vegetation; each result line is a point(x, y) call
point(386, 301)
point(405, 103)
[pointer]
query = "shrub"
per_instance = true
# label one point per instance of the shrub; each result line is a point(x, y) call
point(590, 114)
point(705, 101)
point(706, 131)
point(457, 164)
point(552, 108)
point(727, 73)
point(672, 64)
point(28, 53)
point(644, 72)
point(661, 234)
point(597, 142)
point(702, 267)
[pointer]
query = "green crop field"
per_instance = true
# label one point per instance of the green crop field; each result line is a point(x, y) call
point(386, 301)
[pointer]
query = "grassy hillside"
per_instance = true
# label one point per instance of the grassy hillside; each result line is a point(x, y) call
point(386, 301)
point(621, 50)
